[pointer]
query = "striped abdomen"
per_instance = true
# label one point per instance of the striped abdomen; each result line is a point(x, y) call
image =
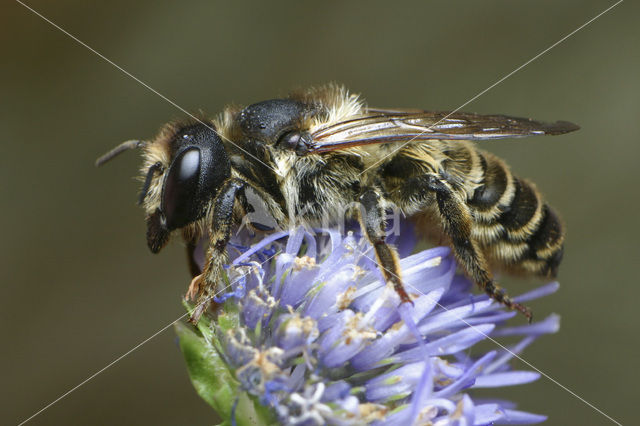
point(516, 228)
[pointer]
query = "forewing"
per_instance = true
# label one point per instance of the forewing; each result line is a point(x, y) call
point(385, 126)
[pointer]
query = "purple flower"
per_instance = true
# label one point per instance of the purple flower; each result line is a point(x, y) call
point(315, 334)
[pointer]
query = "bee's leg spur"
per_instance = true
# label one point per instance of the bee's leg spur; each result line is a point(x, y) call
point(219, 236)
point(371, 217)
point(457, 222)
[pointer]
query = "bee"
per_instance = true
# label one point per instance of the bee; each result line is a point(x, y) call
point(310, 154)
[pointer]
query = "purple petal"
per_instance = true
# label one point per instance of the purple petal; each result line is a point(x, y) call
point(487, 414)
point(509, 378)
point(467, 378)
point(539, 292)
point(507, 354)
point(311, 245)
point(336, 390)
point(452, 318)
point(324, 301)
point(422, 306)
point(256, 307)
point(408, 313)
point(293, 332)
point(297, 284)
point(256, 247)
point(423, 390)
point(491, 318)
point(384, 346)
point(397, 382)
point(341, 342)
point(467, 417)
point(549, 325)
point(514, 417)
point(447, 345)
point(295, 241)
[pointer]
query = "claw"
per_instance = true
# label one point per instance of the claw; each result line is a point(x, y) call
point(195, 287)
point(194, 292)
point(526, 311)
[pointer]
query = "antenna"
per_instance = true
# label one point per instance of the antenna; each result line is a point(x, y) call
point(124, 146)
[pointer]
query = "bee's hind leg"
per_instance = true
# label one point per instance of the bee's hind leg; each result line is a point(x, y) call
point(205, 285)
point(372, 221)
point(457, 223)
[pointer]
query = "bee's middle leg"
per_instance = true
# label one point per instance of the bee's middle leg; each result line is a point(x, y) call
point(372, 221)
point(205, 285)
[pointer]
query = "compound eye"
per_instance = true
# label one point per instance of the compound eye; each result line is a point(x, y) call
point(179, 200)
point(295, 141)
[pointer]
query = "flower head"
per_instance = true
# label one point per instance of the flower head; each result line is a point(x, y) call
point(310, 330)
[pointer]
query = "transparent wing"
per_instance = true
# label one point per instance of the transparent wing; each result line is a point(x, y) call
point(385, 126)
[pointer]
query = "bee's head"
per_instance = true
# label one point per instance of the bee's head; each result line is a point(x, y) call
point(184, 166)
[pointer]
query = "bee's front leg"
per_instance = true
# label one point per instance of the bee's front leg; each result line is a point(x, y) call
point(371, 217)
point(206, 285)
point(194, 268)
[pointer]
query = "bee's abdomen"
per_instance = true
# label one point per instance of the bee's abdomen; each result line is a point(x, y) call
point(545, 245)
point(517, 229)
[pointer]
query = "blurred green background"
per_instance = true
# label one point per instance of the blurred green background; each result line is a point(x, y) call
point(79, 287)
